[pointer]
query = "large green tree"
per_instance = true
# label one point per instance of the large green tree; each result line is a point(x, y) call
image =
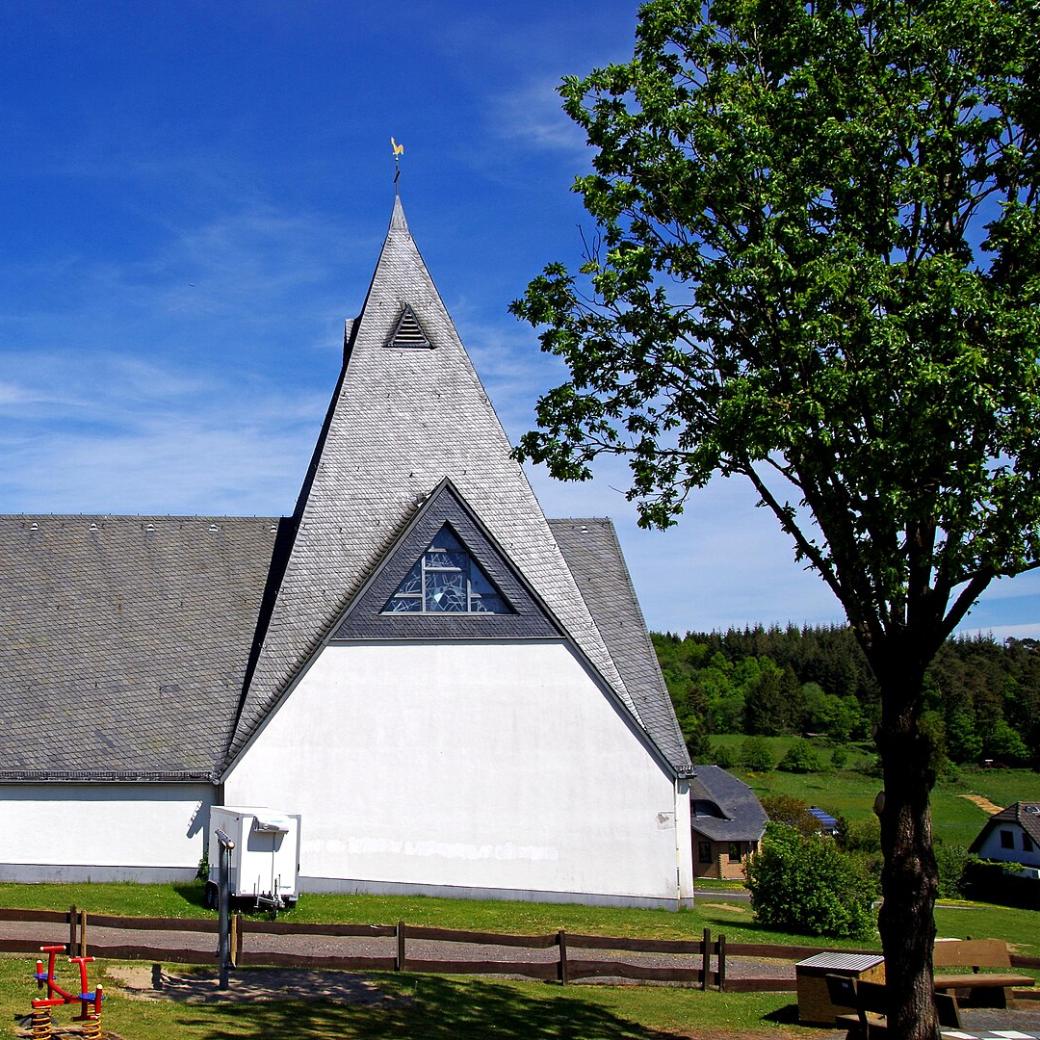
point(817, 266)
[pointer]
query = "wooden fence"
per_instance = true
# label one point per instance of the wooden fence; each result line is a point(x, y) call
point(75, 925)
point(563, 967)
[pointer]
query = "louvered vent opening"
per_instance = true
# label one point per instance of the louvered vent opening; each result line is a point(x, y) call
point(408, 332)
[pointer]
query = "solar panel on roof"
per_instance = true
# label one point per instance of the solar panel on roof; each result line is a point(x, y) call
point(825, 818)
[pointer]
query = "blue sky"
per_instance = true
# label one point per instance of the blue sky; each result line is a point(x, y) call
point(192, 198)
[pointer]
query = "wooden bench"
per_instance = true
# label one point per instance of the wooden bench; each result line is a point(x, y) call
point(978, 989)
point(867, 1000)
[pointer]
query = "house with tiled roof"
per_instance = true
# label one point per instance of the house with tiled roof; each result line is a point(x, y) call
point(727, 822)
point(455, 694)
point(1011, 835)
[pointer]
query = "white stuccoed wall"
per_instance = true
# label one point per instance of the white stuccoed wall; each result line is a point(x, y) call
point(155, 826)
point(497, 765)
point(992, 849)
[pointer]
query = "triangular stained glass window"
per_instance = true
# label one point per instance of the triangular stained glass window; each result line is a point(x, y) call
point(446, 580)
point(408, 332)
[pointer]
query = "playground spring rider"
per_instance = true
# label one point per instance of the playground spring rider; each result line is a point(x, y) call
point(57, 997)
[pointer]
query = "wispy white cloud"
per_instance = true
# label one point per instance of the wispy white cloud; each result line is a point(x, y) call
point(1002, 632)
point(173, 382)
point(1019, 587)
point(531, 115)
point(153, 438)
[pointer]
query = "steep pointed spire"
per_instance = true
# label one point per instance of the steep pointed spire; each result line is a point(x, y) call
point(402, 421)
point(398, 222)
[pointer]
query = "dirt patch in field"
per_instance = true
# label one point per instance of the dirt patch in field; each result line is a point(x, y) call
point(984, 804)
point(139, 982)
point(725, 906)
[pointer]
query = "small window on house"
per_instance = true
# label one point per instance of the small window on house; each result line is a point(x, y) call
point(1007, 839)
point(446, 580)
point(704, 852)
point(735, 852)
point(1027, 842)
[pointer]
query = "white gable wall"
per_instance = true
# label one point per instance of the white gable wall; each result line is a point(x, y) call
point(485, 766)
point(1024, 849)
point(103, 832)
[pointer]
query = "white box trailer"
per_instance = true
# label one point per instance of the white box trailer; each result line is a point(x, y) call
point(265, 862)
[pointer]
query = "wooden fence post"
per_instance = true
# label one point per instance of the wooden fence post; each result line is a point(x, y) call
point(705, 958)
point(236, 920)
point(83, 933)
point(561, 941)
point(399, 960)
point(722, 963)
point(73, 922)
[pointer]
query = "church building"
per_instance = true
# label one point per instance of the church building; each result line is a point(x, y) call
point(456, 695)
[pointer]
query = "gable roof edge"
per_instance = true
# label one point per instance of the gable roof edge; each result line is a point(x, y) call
point(328, 638)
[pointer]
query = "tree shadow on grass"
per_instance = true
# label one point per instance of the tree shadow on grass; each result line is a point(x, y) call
point(426, 1008)
point(193, 892)
point(729, 924)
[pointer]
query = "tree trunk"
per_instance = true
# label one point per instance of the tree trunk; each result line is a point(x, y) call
point(909, 880)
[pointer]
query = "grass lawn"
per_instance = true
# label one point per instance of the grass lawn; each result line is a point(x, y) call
point(436, 1008)
point(1020, 929)
point(955, 918)
point(441, 1008)
point(714, 912)
point(850, 792)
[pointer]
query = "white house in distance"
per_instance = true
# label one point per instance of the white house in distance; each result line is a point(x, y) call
point(1011, 835)
point(455, 694)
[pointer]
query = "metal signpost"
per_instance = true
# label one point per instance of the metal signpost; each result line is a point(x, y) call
point(227, 846)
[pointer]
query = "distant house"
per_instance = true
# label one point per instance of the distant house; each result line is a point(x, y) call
point(827, 825)
point(1012, 835)
point(727, 822)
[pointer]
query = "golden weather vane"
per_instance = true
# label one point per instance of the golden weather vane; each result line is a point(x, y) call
point(398, 152)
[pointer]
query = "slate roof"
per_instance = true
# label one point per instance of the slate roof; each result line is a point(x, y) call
point(744, 818)
point(403, 419)
point(1025, 814)
point(124, 641)
point(591, 550)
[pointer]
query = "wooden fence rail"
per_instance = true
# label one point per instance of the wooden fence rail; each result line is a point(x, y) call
point(706, 967)
point(563, 968)
point(77, 944)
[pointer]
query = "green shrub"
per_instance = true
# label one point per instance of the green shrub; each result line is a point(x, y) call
point(1005, 744)
point(785, 808)
point(808, 885)
point(871, 766)
point(953, 862)
point(756, 756)
point(863, 835)
point(723, 756)
point(840, 757)
point(801, 757)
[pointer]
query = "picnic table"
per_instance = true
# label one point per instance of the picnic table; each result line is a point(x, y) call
point(983, 989)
